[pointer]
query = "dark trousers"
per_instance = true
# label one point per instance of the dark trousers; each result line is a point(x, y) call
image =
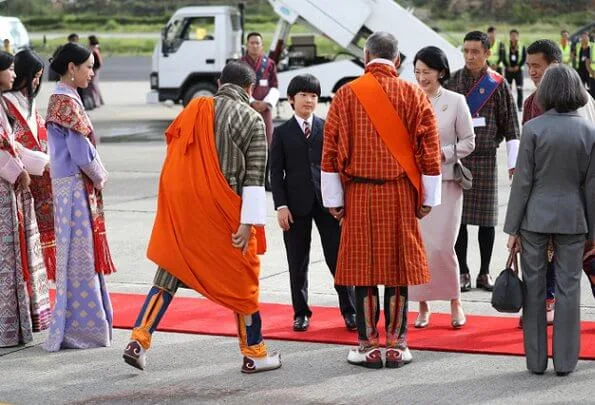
point(395, 316)
point(566, 337)
point(297, 245)
point(517, 77)
point(485, 236)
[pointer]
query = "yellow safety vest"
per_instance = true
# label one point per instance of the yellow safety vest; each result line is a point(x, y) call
point(577, 52)
point(507, 52)
point(494, 54)
point(566, 53)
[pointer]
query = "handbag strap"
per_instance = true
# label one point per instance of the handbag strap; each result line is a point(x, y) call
point(513, 261)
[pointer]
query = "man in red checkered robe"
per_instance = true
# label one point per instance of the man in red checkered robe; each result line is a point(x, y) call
point(370, 189)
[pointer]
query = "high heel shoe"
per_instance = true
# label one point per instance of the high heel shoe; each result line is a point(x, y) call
point(423, 320)
point(458, 320)
point(458, 323)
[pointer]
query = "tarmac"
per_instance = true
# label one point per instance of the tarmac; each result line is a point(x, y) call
point(190, 369)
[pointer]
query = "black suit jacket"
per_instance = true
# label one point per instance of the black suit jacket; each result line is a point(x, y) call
point(295, 166)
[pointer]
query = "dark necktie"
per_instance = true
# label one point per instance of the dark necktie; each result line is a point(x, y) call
point(307, 130)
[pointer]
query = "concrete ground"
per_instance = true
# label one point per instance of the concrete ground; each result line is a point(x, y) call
point(185, 368)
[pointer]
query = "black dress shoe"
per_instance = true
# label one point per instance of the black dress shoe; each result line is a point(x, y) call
point(350, 322)
point(562, 373)
point(484, 281)
point(301, 323)
point(465, 279)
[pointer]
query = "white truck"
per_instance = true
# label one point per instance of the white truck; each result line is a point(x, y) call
point(198, 41)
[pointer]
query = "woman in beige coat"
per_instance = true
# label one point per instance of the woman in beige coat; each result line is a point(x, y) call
point(440, 228)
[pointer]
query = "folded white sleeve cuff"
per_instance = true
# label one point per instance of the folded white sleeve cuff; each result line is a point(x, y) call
point(10, 167)
point(332, 189)
point(432, 186)
point(254, 205)
point(512, 150)
point(272, 97)
point(34, 161)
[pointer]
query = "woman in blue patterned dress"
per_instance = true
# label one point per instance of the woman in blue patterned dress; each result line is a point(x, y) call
point(82, 316)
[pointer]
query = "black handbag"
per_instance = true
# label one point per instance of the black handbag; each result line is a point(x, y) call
point(461, 174)
point(509, 289)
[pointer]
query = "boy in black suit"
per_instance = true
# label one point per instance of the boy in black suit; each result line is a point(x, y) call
point(296, 152)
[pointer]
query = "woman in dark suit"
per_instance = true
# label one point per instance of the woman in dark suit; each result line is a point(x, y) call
point(553, 194)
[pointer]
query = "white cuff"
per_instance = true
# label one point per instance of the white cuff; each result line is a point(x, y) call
point(34, 161)
point(254, 205)
point(281, 207)
point(512, 150)
point(10, 167)
point(332, 189)
point(272, 97)
point(432, 186)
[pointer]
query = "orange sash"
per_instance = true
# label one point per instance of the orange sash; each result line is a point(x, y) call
point(389, 126)
point(197, 212)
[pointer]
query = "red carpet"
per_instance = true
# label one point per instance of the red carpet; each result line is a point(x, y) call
point(482, 334)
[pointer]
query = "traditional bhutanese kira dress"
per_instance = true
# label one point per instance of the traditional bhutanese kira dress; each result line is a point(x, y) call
point(24, 299)
point(82, 316)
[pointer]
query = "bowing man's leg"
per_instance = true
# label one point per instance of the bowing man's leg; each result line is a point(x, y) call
point(158, 299)
point(252, 346)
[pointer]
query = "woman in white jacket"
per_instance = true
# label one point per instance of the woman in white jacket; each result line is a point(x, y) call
point(440, 228)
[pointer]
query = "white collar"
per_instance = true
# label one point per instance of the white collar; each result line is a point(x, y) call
point(301, 121)
point(381, 61)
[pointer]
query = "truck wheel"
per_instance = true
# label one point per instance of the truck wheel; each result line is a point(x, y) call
point(199, 90)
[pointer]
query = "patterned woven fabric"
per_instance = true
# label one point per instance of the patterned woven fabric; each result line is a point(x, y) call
point(480, 204)
point(380, 239)
point(239, 131)
point(41, 186)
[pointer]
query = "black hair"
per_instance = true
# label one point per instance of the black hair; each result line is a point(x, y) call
point(6, 60)
point(514, 31)
point(491, 28)
point(69, 52)
point(73, 37)
point(478, 36)
point(93, 40)
point(26, 65)
point(436, 59)
point(238, 73)
point(253, 34)
point(306, 83)
point(551, 52)
point(564, 31)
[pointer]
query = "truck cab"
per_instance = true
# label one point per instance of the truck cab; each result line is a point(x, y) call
point(195, 45)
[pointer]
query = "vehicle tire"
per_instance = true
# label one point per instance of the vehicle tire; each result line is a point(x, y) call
point(199, 89)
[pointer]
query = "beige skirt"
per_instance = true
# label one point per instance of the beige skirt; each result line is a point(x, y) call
point(439, 232)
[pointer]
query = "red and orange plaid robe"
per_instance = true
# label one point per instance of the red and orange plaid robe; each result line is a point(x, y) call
point(380, 239)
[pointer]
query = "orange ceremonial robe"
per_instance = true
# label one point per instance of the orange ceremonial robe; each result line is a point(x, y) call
point(197, 212)
point(380, 239)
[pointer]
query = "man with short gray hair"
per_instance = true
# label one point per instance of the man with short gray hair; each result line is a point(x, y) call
point(380, 173)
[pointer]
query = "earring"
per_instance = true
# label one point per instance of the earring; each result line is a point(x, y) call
point(72, 78)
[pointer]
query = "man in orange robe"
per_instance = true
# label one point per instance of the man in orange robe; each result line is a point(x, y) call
point(381, 170)
point(211, 195)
